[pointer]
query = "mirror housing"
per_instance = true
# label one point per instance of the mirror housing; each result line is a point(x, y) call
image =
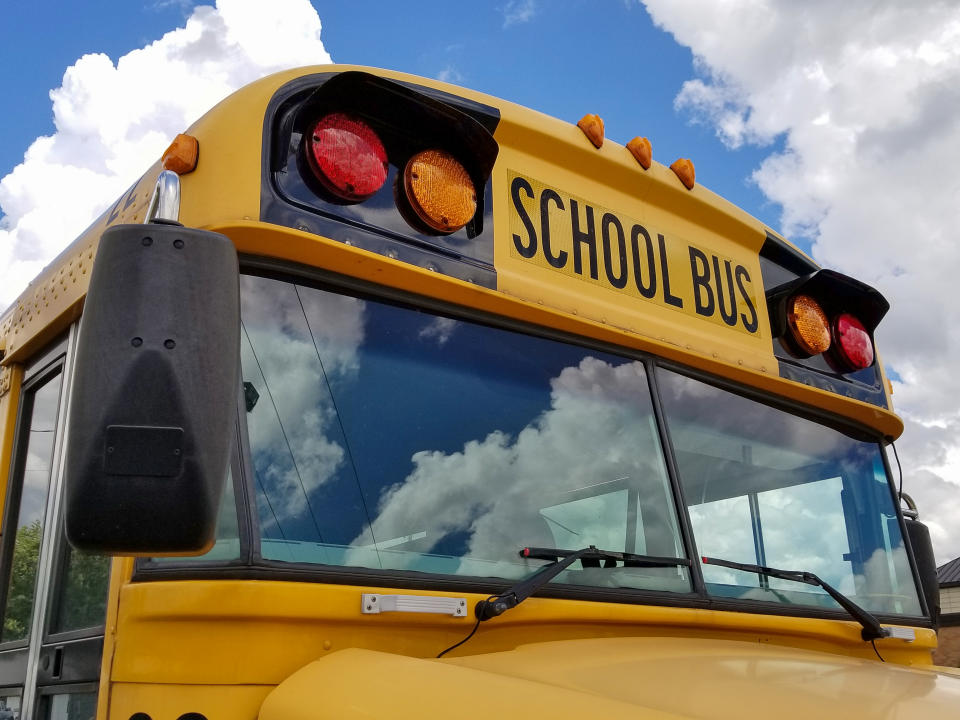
point(154, 393)
point(919, 538)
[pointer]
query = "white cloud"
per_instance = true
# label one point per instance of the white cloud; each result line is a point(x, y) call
point(598, 430)
point(450, 75)
point(439, 329)
point(518, 11)
point(294, 426)
point(113, 120)
point(864, 97)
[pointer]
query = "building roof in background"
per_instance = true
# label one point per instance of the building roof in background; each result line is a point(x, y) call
point(949, 573)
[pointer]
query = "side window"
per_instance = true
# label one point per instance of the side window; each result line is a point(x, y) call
point(26, 506)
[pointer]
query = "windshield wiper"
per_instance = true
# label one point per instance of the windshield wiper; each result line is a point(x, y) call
point(562, 559)
point(871, 626)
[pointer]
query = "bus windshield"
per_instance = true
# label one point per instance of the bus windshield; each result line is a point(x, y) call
point(391, 438)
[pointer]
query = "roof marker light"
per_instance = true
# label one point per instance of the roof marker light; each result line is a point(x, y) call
point(182, 155)
point(641, 149)
point(684, 170)
point(592, 126)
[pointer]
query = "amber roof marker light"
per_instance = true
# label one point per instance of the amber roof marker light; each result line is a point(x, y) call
point(642, 151)
point(439, 190)
point(182, 155)
point(592, 127)
point(685, 171)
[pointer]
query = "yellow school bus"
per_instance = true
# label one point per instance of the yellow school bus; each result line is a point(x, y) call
point(378, 397)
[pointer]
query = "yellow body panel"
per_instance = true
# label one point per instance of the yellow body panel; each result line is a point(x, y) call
point(626, 677)
point(220, 647)
point(258, 632)
point(223, 193)
point(10, 378)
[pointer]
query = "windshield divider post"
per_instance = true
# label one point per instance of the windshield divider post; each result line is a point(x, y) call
point(680, 503)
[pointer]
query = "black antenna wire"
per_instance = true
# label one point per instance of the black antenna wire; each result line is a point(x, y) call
point(470, 635)
point(899, 470)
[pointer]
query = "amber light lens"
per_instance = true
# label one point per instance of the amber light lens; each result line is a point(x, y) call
point(347, 157)
point(854, 346)
point(439, 190)
point(808, 325)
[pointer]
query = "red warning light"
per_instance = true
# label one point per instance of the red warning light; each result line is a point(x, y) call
point(853, 346)
point(347, 157)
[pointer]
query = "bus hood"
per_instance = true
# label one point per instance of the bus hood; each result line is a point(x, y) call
point(614, 677)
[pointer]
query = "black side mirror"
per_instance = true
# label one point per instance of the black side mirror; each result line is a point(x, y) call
point(919, 538)
point(154, 393)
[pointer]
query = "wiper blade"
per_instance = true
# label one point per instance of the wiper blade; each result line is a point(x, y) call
point(562, 559)
point(872, 628)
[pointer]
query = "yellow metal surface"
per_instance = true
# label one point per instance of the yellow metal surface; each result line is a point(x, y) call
point(170, 702)
point(10, 380)
point(644, 268)
point(120, 572)
point(224, 193)
point(625, 677)
point(258, 632)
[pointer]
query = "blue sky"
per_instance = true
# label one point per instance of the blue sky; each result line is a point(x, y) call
point(566, 59)
point(834, 123)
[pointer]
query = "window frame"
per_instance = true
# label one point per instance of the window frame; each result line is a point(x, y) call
point(42, 371)
point(254, 566)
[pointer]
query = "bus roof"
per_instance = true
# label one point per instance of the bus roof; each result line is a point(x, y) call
point(544, 165)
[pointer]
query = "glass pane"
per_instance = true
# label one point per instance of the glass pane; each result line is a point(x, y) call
point(70, 706)
point(9, 705)
point(41, 419)
point(723, 529)
point(386, 437)
point(82, 601)
point(766, 487)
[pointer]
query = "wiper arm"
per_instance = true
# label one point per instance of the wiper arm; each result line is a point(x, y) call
point(562, 559)
point(871, 626)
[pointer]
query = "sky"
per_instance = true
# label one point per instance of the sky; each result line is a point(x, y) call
point(835, 124)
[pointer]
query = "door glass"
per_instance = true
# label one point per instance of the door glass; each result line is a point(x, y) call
point(9, 705)
point(70, 706)
point(41, 419)
point(83, 591)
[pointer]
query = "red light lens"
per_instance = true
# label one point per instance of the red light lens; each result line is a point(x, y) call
point(347, 157)
point(854, 345)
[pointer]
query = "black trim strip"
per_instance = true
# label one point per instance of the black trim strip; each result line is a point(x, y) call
point(446, 583)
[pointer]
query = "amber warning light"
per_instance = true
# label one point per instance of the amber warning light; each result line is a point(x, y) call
point(439, 190)
point(808, 325)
